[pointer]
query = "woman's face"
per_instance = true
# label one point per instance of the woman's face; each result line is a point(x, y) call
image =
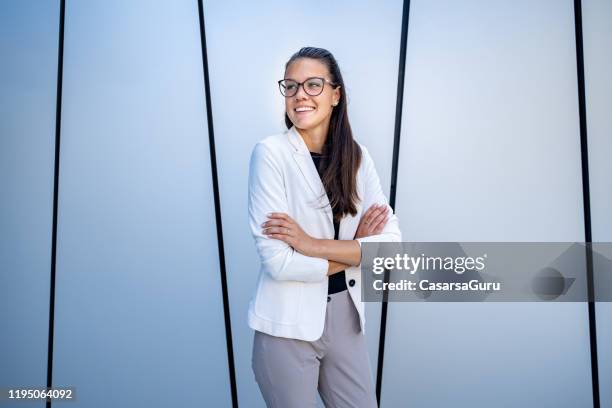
point(307, 112)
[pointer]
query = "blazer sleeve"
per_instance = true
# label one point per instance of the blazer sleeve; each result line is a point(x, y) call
point(267, 194)
point(373, 194)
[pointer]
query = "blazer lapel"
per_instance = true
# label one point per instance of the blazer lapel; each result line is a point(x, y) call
point(302, 157)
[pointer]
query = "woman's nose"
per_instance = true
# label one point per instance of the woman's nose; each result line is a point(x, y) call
point(301, 93)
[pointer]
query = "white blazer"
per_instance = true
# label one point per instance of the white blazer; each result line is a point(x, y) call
point(291, 294)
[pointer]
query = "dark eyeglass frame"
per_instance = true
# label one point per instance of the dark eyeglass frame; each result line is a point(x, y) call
point(323, 80)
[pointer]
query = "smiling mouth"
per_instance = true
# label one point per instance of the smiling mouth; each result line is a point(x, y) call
point(304, 109)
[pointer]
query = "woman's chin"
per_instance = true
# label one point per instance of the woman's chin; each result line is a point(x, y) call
point(304, 124)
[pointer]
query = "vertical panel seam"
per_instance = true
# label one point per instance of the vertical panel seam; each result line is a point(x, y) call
point(586, 198)
point(392, 194)
point(213, 159)
point(56, 167)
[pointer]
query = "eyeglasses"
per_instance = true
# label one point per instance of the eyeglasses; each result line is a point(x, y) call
point(312, 86)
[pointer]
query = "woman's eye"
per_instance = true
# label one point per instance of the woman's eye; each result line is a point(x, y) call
point(313, 85)
point(290, 87)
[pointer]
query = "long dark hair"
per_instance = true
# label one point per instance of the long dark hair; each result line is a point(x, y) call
point(341, 154)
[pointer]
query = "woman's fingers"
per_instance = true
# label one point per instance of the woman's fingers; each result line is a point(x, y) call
point(277, 227)
point(281, 226)
point(278, 223)
point(381, 226)
point(278, 230)
point(380, 219)
point(371, 214)
point(367, 225)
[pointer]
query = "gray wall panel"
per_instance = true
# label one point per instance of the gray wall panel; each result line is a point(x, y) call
point(28, 72)
point(490, 151)
point(139, 318)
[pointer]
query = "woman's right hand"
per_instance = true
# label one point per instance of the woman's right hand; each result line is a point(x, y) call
point(373, 221)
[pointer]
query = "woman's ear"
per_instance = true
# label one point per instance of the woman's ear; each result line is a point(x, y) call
point(336, 96)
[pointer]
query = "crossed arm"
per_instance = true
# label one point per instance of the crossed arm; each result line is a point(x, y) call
point(340, 253)
point(286, 251)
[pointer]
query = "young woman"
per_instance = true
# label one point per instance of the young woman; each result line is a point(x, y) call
point(307, 185)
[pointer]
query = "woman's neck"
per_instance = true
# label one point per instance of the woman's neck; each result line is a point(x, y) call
point(315, 137)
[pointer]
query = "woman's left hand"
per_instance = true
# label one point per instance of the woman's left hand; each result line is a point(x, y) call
point(281, 226)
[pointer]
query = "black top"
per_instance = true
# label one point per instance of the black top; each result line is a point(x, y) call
point(337, 281)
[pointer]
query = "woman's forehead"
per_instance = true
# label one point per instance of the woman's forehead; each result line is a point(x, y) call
point(303, 68)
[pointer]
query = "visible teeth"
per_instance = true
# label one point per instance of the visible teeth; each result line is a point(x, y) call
point(304, 108)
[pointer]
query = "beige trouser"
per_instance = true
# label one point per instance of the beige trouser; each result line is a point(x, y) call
point(289, 371)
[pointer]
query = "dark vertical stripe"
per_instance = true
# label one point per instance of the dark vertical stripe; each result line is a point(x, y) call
point(213, 159)
point(58, 126)
point(396, 146)
point(586, 198)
